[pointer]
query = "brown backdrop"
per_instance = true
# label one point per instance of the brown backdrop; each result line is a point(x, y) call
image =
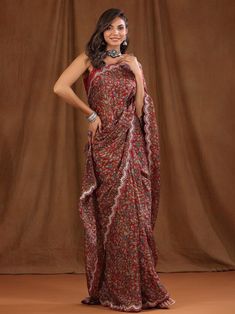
point(187, 51)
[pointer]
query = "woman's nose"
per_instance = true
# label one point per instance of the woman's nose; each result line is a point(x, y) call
point(115, 31)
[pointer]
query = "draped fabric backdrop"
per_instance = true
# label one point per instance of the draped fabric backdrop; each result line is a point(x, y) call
point(187, 51)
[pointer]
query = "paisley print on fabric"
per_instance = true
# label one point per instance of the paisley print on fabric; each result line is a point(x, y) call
point(120, 195)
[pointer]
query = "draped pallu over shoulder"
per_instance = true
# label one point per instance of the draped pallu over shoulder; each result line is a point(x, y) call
point(120, 194)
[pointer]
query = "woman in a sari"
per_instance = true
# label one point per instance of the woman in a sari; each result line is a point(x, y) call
point(120, 187)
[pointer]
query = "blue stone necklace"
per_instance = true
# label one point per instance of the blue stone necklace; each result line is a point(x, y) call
point(113, 53)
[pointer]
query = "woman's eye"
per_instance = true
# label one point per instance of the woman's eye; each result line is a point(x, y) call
point(109, 27)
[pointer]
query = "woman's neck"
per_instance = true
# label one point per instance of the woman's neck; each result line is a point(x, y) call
point(117, 48)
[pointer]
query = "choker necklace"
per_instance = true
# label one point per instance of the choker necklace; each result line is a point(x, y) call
point(113, 53)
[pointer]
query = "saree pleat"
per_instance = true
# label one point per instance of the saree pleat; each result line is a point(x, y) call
point(120, 195)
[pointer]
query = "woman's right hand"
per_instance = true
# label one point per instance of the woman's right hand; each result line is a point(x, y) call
point(92, 129)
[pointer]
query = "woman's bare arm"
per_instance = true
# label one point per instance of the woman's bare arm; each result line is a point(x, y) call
point(70, 75)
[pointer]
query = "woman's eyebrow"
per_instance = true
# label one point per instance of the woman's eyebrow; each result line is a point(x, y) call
point(117, 25)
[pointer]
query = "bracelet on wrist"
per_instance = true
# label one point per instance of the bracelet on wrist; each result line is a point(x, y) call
point(92, 116)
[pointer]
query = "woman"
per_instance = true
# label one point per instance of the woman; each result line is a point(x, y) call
point(120, 187)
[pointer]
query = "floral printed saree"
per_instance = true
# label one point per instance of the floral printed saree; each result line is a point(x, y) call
point(120, 195)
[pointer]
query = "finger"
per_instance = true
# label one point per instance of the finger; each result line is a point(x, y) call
point(123, 62)
point(89, 133)
point(122, 58)
point(93, 136)
point(125, 59)
point(100, 129)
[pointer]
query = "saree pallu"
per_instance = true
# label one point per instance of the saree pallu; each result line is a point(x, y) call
point(120, 195)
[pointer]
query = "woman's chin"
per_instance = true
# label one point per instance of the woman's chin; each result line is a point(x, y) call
point(114, 43)
point(113, 46)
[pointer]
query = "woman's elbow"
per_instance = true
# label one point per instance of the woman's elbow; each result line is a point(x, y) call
point(60, 87)
point(57, 88)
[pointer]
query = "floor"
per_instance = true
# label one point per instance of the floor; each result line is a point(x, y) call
point(199, 292)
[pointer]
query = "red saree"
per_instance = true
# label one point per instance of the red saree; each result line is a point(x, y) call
point(120, 195)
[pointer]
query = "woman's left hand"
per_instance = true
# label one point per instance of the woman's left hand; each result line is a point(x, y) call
point(132, 61)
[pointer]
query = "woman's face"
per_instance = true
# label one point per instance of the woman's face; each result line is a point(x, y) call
point(115, 34)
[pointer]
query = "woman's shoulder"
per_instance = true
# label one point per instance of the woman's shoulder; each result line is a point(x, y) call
point(85, 60)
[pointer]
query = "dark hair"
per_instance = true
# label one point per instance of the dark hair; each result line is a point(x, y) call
point(96, 46)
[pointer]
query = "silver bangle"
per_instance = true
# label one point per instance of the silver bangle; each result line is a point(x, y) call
point(92, 116)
